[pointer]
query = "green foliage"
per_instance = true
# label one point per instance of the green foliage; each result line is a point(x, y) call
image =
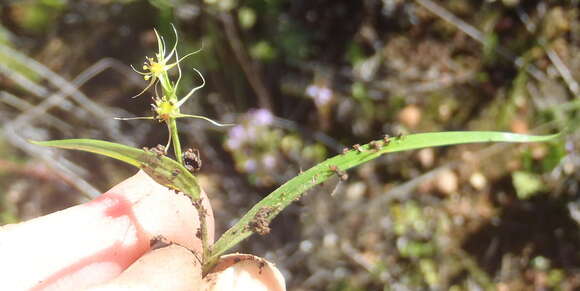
point(429, 270)
point(526, 184)
point(416, 249)
point(293, 41)
point(162, 169)
point(7, 156)
point(456, 83)
point(274, 203)
point(247, 17)
point(408, 217)
point(39, 16)
point(556, 151)
point(11, 63)
point(7, 216)
point(265, 153)
point(359, 91)
point(489, 47)
point(60, 4)
point(224, 5)
point(345, 285)
point(263, 51)
point(170, 173)
point(541, 263)
point(354, 54)
point(555, 278)
point(290, 43)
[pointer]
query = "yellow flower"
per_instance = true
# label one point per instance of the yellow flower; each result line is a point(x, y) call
point(155, 69)
point(166, 107)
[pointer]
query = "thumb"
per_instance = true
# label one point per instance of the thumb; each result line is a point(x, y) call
point(172, 268)
point(94, 242)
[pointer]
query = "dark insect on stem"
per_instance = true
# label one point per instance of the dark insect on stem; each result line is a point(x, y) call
point(260, 222)
point(158, 242)
point(376, 145)
point(387, 139)
point(358, 148)
point(341, 174)
point(150, 161)
point(159, 150)
point(192, 160)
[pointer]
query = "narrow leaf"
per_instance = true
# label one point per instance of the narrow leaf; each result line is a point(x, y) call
point(162, 169)
point(257, 218)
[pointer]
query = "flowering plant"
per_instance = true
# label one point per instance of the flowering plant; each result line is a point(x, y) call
point(175, 175)
point(166, 107)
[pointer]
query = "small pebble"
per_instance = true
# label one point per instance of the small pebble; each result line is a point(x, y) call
point(447, 182)
point(410, 116)
point(426, 157)
point(478, 180)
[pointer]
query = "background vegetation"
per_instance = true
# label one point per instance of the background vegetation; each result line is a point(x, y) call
point(303, 79)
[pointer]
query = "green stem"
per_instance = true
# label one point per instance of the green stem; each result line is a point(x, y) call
point(170, 93)
point(172, 125)
point(204, 234)
point(168, 89)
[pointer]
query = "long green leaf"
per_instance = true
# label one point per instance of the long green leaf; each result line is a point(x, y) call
point(162, 169)
point(257, 219)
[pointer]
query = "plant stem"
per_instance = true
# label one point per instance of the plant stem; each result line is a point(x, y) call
point(172, 125)
point(170, 92)
point(202, 212)
point(204, 235)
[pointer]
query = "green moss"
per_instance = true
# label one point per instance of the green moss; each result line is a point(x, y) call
point(263, 51)
point(38, 16)
point(527, 184)
point(247, 17)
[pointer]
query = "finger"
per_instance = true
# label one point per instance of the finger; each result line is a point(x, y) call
point(172, 268)
point(244, 272)
point(94, 242)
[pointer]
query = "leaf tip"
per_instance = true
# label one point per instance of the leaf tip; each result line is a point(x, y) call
point(36, 142)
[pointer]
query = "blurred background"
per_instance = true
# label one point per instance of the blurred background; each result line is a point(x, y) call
point(301, 80)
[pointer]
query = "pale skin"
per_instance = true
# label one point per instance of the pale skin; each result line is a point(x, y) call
point(105, 244)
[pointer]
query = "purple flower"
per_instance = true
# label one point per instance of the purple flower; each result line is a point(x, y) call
point(321, 95)
point(238, 132)
point(261, 117)
point(250, 166)
point(269, 162)
point(233, 144)
point(251, 134)
point(236, 136)
point(312, 90)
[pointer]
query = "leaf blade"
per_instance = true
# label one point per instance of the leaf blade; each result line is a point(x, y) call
point(276, 201)
point(162, 169)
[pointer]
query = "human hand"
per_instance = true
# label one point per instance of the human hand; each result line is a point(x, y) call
point(105, 245)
